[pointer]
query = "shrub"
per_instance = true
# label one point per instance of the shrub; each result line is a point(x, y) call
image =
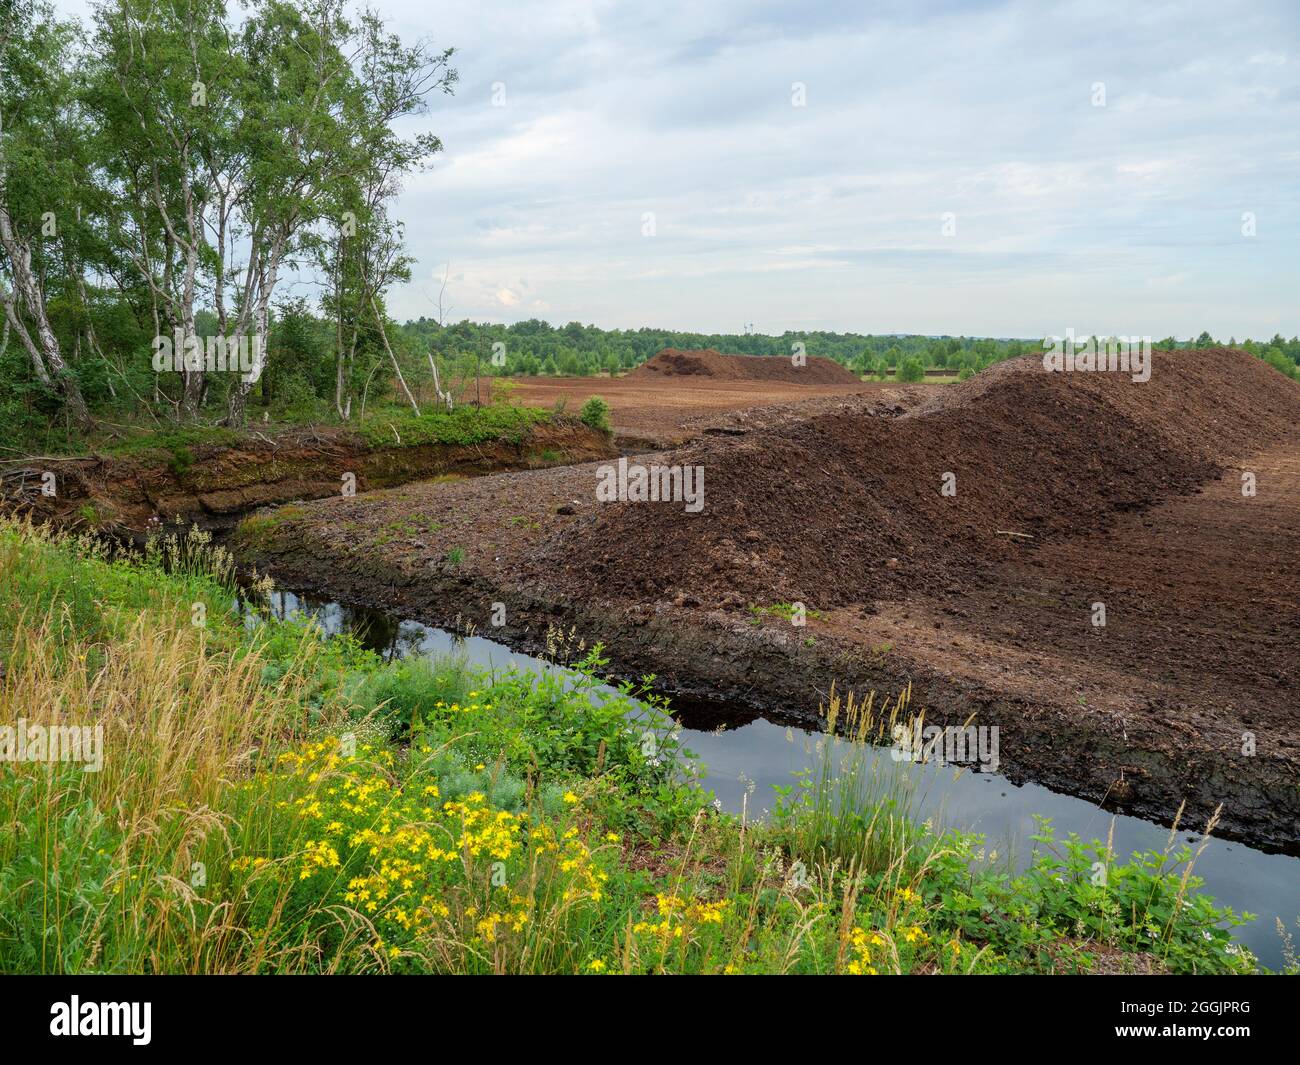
point(1279, 361)
point(463, 426)
point(295, 399)
point(911, 370)
point(595, 412)
point(181, 461)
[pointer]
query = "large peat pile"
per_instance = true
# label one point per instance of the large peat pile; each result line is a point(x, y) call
point(848, 506)
point(708, 363)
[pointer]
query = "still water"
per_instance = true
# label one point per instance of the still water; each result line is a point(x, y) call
point(747, 757)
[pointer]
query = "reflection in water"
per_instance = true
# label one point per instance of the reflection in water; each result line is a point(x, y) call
point(744, 763)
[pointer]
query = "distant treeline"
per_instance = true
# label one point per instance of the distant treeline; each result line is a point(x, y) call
point(536, 347)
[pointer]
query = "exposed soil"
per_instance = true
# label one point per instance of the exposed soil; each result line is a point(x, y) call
point(218, 484)
point(844, 506)
point(657, 411)
point(712, 364)
point(1119, 493)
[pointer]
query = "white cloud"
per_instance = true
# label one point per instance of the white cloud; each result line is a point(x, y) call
point(828, 216)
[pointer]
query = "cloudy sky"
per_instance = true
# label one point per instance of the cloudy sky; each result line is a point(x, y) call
point(993, 168)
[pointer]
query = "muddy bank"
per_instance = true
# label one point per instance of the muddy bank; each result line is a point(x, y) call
point(1135, 766)
point(1188, 691)
point(214, 485)
point(1152, 711)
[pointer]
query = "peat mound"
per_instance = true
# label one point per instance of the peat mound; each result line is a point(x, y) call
point(712, 364)
point(849, 505)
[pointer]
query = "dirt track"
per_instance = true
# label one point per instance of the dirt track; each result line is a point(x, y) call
point(1129, 498)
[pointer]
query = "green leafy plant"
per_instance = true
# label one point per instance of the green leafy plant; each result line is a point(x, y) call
point(595, 413)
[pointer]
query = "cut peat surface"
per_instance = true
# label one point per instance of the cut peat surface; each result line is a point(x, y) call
point(657, 411)
point(712, 365)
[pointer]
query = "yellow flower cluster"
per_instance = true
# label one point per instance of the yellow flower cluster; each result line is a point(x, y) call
point(317, 855)
point(862, 941)
point(381, 840)
point(484, 830)
point(494, 921)
point(394, 876)
point(543, 839)
point(404, 839)
point(312, 758)
point(588, 879)
point(456, 708)
point(678, 918)
point(394, 881)
point(362, 796)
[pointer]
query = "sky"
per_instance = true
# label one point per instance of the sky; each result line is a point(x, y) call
point(932, 166)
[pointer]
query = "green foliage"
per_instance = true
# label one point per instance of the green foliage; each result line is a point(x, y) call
point(97, 599)
point(181, 461)
point(81, 840)
point(1075, 888)
point(785, 611)
point(177, 442)
point(559, 721)
point(425, 816)
point(911, 370)
point(464, 425)
point(407, 692)
point(595, 413)
point(153, 172)
point(1280, 362)
point(296, 400)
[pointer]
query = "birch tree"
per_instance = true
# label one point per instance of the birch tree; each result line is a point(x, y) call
point(35, 98)
point(164, 91)
point(324, 93)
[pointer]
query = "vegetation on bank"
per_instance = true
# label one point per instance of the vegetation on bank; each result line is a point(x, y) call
point(170, 438)
point(388, 427)
point(462, 426)
point(274, 801)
